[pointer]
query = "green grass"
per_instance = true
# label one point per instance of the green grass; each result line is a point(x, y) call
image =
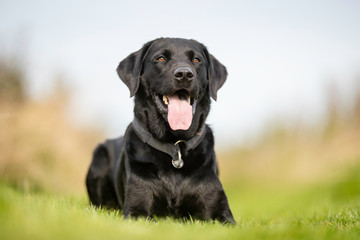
point(261, 213)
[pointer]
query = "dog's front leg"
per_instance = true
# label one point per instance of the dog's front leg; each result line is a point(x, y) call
point(222, 210)
point(217, 204)
point(138, 199)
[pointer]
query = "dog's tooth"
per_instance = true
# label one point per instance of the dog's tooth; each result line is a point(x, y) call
point(189, 99)
point(165, 100)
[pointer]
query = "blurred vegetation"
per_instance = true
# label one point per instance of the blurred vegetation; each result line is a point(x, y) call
point(295, 152)
point(39, 147)
point(11, 82)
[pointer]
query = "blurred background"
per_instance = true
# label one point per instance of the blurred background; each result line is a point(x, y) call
point(289, 113)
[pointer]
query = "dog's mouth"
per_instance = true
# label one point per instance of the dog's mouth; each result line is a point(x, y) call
point(178, 108)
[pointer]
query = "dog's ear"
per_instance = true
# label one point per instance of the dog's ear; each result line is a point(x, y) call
point(129, 69)
point(216, 74)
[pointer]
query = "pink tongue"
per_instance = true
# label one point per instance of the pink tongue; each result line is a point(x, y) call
point(179, 113)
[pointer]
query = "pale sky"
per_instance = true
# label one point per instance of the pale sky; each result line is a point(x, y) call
point(280, 55)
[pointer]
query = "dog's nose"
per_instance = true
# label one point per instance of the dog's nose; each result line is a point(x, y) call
point(183, 74)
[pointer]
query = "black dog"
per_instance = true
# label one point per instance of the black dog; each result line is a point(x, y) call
point(165, 163)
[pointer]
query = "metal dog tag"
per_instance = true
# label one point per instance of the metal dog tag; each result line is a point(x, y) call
point(178, 163)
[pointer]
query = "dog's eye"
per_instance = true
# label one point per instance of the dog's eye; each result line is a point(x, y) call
point(196, 60)
point(161, 59)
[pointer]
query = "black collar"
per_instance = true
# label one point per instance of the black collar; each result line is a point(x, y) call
point(172, 150)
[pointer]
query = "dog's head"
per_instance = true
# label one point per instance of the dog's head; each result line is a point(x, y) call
point(172, 80)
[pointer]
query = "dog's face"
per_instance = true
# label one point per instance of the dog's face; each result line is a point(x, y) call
point(172, 80)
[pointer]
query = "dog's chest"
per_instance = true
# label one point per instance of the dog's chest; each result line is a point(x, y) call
point(156, 188)
point(177, 196)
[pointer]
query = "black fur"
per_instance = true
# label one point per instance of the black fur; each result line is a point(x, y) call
point(142, 181)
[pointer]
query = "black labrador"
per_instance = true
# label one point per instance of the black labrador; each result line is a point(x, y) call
point(165, 164)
